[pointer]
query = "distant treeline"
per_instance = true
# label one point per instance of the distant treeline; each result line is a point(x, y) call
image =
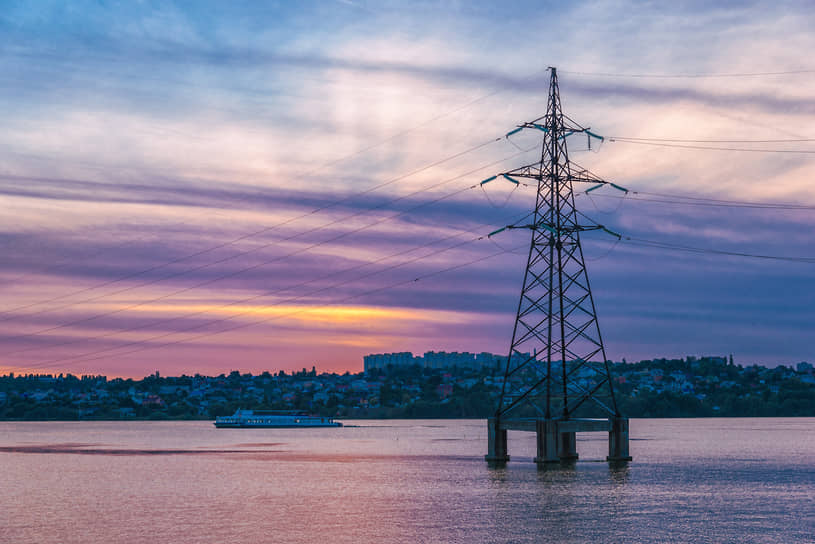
point(690, 387)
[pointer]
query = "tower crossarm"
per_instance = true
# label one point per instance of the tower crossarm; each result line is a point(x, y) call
point(529, 171)
point(568, 229)
point(564, 126)
point(581, 175)
point(574, 175)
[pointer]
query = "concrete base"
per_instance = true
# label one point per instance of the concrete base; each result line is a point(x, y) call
point(618, 440)
point(496, 442)
point(554, 446)
point(567, 447)
point(546, 431)
point(556, 438)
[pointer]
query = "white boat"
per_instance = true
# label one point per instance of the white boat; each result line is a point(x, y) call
point(247, 419)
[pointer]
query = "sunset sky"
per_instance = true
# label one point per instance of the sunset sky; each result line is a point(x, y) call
point(214, 186)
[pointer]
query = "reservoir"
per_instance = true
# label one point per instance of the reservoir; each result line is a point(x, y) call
point(403, 481)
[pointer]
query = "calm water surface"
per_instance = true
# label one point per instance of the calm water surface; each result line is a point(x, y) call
point(709, 480)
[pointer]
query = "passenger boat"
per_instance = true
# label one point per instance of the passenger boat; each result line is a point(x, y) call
point(247, 419)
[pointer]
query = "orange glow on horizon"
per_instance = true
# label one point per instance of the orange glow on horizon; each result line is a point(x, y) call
point(371, 316)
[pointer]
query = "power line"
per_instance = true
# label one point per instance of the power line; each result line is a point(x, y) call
point(713, 148)
point(689, 200)
point(701, 203)
point(633, 240)
point(278, 303)
point(407, 131)
point(678, 140)
point(724, 201)
point(691, 249)
point(270, 292)
point(690, 76)
point(84, 358)
point(324, 165)
point(229, 242)
point(679, 247)
point(264, 263)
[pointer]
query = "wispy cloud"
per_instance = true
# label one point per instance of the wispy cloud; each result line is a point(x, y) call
point(137, 135)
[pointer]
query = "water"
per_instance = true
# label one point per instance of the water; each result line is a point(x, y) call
point(709, 480)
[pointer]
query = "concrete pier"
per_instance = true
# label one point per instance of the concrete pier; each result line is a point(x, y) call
point(557, 438)
point(496, 442)
point(546, 430)
point(567, 447)
point(618, 440)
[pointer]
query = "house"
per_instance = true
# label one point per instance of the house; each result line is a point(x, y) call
point(153, 400)
point(444, 390)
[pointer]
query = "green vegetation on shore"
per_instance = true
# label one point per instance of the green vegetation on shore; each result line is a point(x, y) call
point(703, 387)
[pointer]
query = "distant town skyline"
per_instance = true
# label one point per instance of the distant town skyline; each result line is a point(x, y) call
point(206, 187)
point(446, 385)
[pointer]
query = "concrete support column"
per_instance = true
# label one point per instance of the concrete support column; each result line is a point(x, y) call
point(567, 446)
point(618, 440)
point(546, 431)
point(496, 442)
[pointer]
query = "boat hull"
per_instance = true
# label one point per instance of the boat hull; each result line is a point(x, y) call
point(250, 419)
point(274, 426)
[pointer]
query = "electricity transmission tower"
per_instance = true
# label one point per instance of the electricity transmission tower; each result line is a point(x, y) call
point(556, 371)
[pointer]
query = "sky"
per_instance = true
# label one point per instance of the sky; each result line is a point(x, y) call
point(214, 186)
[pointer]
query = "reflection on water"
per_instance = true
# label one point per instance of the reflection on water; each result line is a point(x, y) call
point(91, 449)
point(618, 473)
point(402, 481)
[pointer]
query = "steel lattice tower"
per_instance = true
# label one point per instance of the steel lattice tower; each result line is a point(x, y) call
point(556, 368)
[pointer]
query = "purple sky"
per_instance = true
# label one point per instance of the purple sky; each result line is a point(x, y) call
point(160, 163)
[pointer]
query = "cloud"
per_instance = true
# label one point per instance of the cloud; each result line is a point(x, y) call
point(136, 136)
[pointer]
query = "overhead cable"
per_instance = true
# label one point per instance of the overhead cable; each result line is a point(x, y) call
point(271, 292)
point(275, 259)
point(714, 148)
point(689, 76)
point(139, 344)
point(679, 140)
point(691, 249)
point(9, 312)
